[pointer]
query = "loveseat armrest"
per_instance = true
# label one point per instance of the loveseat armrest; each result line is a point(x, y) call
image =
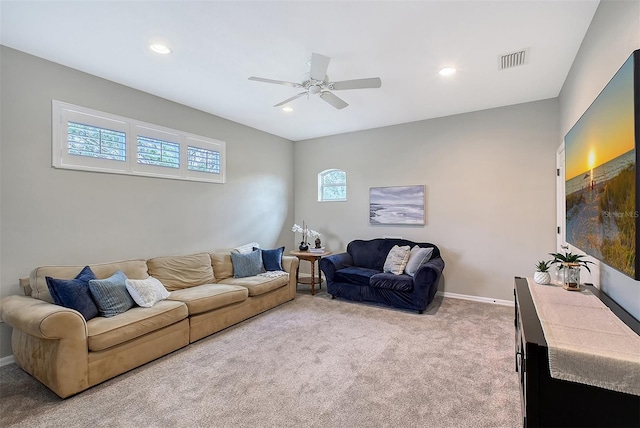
point(425, 281)
point(330, 264)
point(49, 342)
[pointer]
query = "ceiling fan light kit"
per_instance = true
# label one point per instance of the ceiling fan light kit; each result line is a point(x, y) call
point(319, 84)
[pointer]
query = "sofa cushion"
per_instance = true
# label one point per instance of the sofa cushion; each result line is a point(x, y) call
point(208, 297)
point(397, 259)
point(248, 264)
point(355, 275)
point(177, 272)
point(221, 264)
point(390, 281)
point(111, 295)
point(133, 269)
point(258, 285)
point(417, 258)
point(74, 293)
point(107, 332)
point(146, 292)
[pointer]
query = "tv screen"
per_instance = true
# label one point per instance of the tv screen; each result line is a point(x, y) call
point(601, 176)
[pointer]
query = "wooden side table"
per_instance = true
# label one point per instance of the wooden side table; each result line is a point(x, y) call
point(313, 258)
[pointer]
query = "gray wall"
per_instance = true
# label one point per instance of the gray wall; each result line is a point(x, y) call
point(490, 190)
point(613, 34)
point(52, 216)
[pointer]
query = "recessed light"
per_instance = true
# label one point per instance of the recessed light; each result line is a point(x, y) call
point(287, 109)
point(447, 71)
point(161, 49)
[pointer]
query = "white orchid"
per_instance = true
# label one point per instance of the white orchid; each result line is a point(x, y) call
point(306, 232)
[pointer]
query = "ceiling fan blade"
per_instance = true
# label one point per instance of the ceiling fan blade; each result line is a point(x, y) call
point(373, 82)
point(277, 82)
point(319, 66)
point(333, 100)
point(291, 99)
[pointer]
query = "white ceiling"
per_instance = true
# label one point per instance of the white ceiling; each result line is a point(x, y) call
point(217, 45)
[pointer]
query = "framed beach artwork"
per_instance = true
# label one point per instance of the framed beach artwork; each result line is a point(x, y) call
point(398, 205)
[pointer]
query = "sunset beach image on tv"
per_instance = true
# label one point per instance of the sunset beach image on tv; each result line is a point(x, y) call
point(601, 176)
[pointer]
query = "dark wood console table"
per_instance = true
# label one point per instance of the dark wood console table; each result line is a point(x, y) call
point(549, 402)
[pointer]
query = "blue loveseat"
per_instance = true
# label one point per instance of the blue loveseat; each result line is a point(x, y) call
point(358, 275)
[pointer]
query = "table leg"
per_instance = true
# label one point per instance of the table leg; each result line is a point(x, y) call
point(313, 276)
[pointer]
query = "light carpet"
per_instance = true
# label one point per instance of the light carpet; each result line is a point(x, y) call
point(312, 362)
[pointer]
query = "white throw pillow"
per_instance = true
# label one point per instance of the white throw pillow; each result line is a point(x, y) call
point(246, 248)
point(417, 258)
point(397, 259)
point(146, 292)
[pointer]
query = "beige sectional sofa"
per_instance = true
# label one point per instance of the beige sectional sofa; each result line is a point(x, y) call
point(68, 354)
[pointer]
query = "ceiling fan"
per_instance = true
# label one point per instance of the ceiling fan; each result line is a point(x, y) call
point(319, 83)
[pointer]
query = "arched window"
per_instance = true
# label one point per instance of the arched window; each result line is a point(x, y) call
point(332, 185)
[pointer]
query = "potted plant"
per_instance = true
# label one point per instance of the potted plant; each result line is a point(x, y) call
point(570, 265)
point(541, 275)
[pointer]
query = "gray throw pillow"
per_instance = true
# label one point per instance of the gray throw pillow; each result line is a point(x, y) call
point(246, 264)
point(111, 295)
point(417, 258)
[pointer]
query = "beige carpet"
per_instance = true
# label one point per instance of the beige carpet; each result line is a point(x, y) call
point(313, 362)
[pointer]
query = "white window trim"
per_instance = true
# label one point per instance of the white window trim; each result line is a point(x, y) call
point(62, 113)
point(321, 185)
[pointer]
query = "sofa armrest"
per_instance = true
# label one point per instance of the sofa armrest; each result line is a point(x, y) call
point(290, 264)
point(49, 342)
point(330, 264)
point(42, 319)
point(425, 280)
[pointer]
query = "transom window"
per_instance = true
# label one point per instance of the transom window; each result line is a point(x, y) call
point(332, 185)
point(91, 140)
point(156, 152)
point(203, 160)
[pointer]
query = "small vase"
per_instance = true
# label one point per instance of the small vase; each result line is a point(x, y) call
point(542, 278)
point(303, 246)
point(571, 276)
point(318, 243)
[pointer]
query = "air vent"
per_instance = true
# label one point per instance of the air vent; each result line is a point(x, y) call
point(514, 59)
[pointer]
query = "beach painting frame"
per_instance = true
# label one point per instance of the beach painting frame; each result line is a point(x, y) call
point(397, 205)
point(601, 175)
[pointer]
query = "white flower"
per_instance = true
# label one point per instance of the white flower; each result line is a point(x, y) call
point(306, 232)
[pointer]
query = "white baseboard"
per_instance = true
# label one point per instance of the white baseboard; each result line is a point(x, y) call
point(475, 298)
point(5, 361)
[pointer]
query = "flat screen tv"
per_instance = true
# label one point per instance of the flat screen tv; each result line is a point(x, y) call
point(601, 174)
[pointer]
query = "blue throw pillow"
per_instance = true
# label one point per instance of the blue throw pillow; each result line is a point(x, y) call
point(246, 264)
point(111, 294)
point(74, 293)
point(272, 259)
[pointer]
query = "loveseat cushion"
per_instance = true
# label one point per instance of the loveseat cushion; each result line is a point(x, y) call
point(107, 332)
point(258, 285)
point(133, 269)
point(208, 297)
point(178, 272)
point(355, 275)
point(390, 281)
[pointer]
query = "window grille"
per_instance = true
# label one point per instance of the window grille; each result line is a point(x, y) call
point(332, 185)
